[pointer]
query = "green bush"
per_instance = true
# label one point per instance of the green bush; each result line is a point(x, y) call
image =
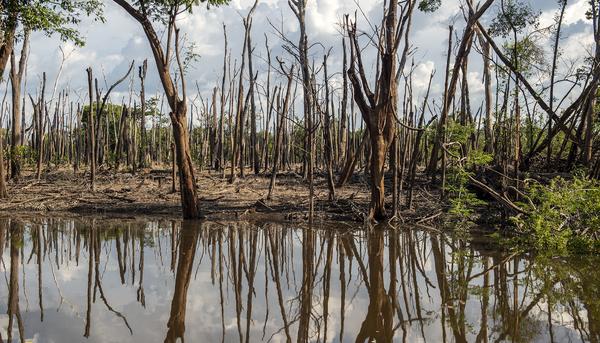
point(564, 216)
point(461, 199)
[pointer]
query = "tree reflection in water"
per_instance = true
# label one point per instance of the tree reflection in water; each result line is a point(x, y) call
point(230, 282)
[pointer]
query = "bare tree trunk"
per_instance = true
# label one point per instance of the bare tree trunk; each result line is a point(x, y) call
point(40, 127)
point(189, 200)
point(327, 136)
point(592, 101)
point(121, 137)
point(143, 157)
point(416, 148)
point(487, 80)
point(351, 161)
point(441, 127)
point(3, 192)
point(173, 169)
point(91, 135)
point(343, 146)
point(16, 76)
point(187, 180)
point(238, 149)
point(253, 141)
point(221, 136)
point(299, 9)
point(379, 109)
point(281, 113)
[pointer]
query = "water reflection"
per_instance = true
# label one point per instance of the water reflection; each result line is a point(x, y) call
point(116, 281)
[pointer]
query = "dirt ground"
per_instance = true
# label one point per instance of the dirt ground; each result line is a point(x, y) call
point(149, 193)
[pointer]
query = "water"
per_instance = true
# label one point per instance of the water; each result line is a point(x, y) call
point(135, 281)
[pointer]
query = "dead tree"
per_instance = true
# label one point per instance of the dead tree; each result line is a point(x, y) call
point(176, 97)
point(461, 55)
point(3, 191)
point(238, 149)
point(281, 114)
point(143, 158)
point(343, 146)
point(220, 162)
point(90, 131)
point(40, 123)
point(299, 9)
point(328, 145)
point(16, 77)
point(487, 81)
point(253, 140)
point(378, 108)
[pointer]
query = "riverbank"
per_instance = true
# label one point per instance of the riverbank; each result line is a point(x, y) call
point(149, 193)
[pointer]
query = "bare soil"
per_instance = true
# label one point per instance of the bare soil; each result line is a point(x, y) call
point(149, 193)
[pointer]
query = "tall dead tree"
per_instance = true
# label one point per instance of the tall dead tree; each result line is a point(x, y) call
point(3, 191)
point(143, 157)
point(590, 115)
point(281, 113)
point(240, 122)
point(299, 9)
point(461, 55)
point(177, 98)
point(328, 145)
point(343, 146)
point(253, 140)
point(16, 77)
point(488, 127)
point(220, 165)
point(379, 108)
point(40, 123)
point(90, 131)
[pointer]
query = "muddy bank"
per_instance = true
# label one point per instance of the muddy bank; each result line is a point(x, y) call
point(149, 193)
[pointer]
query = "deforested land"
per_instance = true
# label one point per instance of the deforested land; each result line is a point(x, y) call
point(360, 123)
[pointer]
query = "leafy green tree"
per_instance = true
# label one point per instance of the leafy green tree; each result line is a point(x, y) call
point(514, 15)
point(48, 16)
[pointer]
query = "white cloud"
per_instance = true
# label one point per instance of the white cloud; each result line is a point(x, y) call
point(475, 81)
point(574, 13)
point(112, 45)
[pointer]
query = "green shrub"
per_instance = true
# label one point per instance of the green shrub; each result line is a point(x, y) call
point(564, 216)
point(462, 200)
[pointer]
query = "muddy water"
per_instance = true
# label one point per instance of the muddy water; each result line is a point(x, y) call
point(134, 281)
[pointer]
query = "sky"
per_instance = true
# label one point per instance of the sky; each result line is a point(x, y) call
point(112, 45)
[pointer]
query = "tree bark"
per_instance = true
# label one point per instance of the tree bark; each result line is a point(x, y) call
point(90, 131)
point(189, 200)
point(16, 77)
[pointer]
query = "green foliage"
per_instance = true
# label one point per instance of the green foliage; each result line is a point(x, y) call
point(455, 132)
point(23, 153)
point(160, 10)
point(528, 51)
point(190, 56)
point(429, 6)
point(60, 17)
point(478, 158)
point(564, 216)
point(515, 15)
point(461, 199)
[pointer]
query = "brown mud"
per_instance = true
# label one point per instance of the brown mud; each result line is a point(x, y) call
point(149, 193)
